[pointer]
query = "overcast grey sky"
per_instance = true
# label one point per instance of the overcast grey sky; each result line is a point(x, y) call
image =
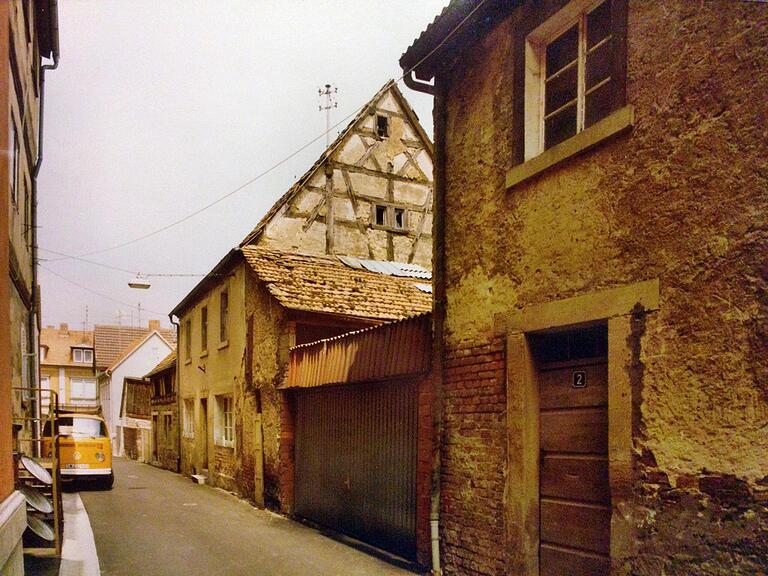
point(159, 107)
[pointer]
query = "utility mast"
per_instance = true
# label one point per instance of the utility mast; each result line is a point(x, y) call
point(327, 102)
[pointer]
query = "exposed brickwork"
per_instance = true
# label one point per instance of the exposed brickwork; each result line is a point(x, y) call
point(679, 198)
point(424, 448)
point(473, 458)
point(224, 466)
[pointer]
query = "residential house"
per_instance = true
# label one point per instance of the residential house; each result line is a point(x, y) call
point(126, 352)
point(360, 214)
point(357, 436)
point(235, 336)
point(164, 410)
point(601, 340)
point(135, 414)
point(67, 368)
point(29, 37)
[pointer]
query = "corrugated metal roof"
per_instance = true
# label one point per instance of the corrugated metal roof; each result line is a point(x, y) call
point(399, 269)
point(391, 350)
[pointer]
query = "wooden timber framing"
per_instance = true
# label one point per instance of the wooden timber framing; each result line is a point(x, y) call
point(369, 195)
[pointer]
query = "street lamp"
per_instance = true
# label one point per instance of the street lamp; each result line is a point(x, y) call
point(139, 283)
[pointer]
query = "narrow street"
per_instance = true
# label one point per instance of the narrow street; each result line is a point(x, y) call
point(157, 522)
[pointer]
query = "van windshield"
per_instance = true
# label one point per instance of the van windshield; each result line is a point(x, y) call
point(74, 427)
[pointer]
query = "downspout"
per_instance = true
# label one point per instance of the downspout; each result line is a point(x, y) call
point(438, 303)
point(179, 423)
point(34, 319)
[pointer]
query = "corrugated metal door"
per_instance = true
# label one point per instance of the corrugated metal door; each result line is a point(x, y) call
point(356, 462)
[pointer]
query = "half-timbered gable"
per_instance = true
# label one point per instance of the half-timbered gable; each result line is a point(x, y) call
point(368, 195)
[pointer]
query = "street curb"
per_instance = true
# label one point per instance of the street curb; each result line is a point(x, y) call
point(78, 553)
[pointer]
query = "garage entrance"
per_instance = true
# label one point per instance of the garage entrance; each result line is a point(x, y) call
point(355, 462)
point(574, 492)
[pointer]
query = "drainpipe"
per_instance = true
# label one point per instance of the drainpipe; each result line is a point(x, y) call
point(438, 306)
point(179, 423)
point(34, 320)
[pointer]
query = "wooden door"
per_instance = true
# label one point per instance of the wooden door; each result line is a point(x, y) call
point(575, 512)
point(204, 432)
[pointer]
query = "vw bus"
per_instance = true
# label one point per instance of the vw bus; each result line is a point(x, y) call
point(85, 451)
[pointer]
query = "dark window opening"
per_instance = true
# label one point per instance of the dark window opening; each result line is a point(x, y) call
point(382, 126)
point(399, 218)
point(381, 215)
point(567, 346)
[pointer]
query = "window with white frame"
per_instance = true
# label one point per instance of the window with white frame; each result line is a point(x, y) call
point(224, 424)
point(45, 390)
point(82, 355)
point(188, 415)
point(569, 74)
point(82, 390)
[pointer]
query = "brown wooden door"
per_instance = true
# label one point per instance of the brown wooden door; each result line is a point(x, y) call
point(574, 492)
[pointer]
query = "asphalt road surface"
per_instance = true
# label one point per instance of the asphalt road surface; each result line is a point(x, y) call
point(155, 522)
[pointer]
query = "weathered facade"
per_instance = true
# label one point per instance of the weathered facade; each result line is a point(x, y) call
point(135, 413)
point(234, 350)
point(603, 338)
point(369, 195)
point(164, 411)
point(29, 35)
point(67, 368)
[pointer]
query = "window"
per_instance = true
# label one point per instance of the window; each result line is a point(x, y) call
point(45, 394)
point(43, 351)
point(82, 390)
point(188, 339)
point(167, 428)
point(82, 355)
point(223, 315)
point(390, 217)
point(157, 387)
point(188, 414)
point(570, 79)
point(204, 328)
point(224, 421)
point(382, 126)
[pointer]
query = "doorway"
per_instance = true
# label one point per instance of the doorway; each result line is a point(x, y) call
point(574, 490)
point(204, 433)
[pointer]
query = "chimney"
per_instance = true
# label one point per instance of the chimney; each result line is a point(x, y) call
point(64, 329)
point(154, 324)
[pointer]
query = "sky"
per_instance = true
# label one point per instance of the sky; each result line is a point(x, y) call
point(159, 108)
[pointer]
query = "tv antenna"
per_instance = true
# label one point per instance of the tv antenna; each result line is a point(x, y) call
point(327, 97)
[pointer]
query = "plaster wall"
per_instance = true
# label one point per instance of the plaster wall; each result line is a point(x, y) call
point(211, 372)
point(680, 198)
point(366, 170)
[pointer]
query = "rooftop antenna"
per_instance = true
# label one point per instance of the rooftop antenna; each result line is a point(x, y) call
point(328, 101)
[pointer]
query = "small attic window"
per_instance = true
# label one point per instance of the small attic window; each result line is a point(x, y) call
point(381, 215)
point(399, 218)
point(382, 126)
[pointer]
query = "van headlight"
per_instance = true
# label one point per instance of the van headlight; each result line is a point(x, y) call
point(100, 456)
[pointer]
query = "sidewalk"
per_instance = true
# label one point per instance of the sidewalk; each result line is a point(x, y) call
point(78, 553)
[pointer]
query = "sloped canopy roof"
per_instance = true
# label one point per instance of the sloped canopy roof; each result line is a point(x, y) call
point(164, 364)
point(323, 284)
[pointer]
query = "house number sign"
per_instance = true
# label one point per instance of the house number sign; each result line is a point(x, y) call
point(580, 379)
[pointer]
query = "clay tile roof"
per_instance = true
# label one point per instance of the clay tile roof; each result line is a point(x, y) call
point(59, 344)
point(112, 343)
point(324, 284)
point(164, 364)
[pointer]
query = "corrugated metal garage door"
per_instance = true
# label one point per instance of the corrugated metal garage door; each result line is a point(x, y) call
point(356, 462)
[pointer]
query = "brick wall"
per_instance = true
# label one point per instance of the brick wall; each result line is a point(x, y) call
point(473, 458)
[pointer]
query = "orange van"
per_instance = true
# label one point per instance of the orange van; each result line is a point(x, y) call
point(85, 451)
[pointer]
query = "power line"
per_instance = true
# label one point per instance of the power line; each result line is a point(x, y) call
point(279, 163)
point(98, 293)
